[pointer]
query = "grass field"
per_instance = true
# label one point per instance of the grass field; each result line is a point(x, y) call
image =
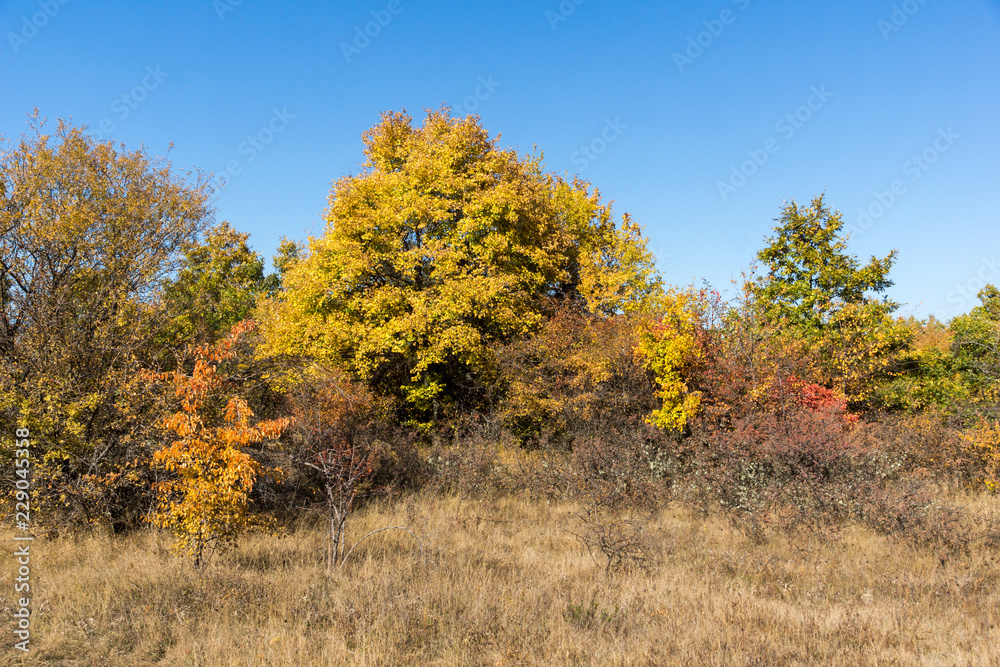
point(506, 582)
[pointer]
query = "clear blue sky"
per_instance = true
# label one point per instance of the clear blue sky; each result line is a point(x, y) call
point(685, 94)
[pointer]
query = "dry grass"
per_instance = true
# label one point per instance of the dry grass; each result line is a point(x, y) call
point(505, 582)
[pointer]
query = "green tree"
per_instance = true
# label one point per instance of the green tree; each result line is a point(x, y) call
point(989, 299)
point(444, 246)
point(976, 341)
point(952, 369)
point(87, 232)
point(217, 286)
point(814, 289)
point(930, 376)
point(283, 260)
point(810, 274)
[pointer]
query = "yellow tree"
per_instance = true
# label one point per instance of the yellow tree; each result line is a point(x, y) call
point(442, 248)
point(87, 232)
point(205, 501)
point(672, 349)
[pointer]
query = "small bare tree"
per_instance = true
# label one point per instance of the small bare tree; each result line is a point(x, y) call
point(622, 542)
point(346, 468)
point(333, 419)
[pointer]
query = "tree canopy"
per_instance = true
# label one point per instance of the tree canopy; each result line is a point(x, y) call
point(976, 339)
point(442, 247)
point(217, 285)
point(816, 291)
point(87, 232)
point(811, 275)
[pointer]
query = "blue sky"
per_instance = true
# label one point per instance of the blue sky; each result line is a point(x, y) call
point(698, 118)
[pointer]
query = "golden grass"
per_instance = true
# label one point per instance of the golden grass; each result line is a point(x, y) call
point(502, 582)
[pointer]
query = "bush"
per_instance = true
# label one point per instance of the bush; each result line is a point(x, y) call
point(914, 511)
point(936, 445)
point(340, 435)
point(470, 464)
point(622, 542)
point(800, 469)
point(578, 374)
point(983, 449)
point(623, 468)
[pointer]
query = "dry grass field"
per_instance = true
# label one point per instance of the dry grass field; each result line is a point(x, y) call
point(506, 582)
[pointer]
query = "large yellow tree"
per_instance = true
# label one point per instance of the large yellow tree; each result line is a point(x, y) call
point(443, 246)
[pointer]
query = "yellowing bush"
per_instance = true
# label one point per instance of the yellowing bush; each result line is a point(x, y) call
point(671, 348)
point(984, 448)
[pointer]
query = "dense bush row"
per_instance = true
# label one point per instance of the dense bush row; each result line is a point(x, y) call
point(467, 321)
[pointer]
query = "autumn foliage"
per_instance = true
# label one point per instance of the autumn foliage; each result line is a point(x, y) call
point(579, 374)
point(445, 247)
point(87, 232)
point(466, 321)
point(205, 498)
point(673, 347)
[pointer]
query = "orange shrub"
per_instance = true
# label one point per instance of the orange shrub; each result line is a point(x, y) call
point(205, 501)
